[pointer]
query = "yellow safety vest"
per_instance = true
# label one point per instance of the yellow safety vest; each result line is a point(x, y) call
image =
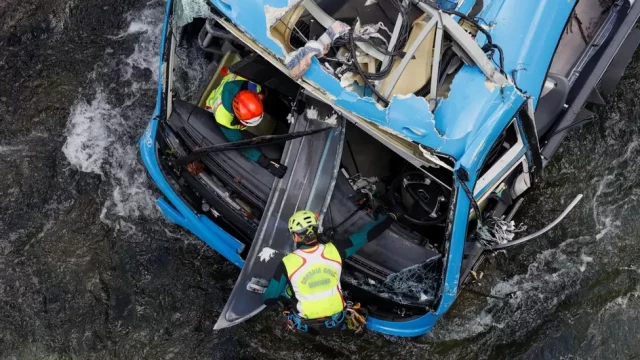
point(223, 116)
point(314, 274)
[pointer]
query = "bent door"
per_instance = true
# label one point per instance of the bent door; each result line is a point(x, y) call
point(313, 163)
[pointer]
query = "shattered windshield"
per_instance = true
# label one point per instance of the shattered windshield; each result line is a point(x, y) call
point(415, 285)
point(192, 67)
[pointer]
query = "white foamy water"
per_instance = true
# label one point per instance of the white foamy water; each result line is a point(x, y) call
point(621, 302)
point(103, 128)
point(555, 274)
point(462, 328)
point(90, 133)
point(526, 297)
point(8, 148)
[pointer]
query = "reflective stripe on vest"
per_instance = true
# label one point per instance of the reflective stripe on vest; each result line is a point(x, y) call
point(314, 274)
point(223, 116)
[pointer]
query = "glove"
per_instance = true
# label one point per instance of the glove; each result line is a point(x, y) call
point(274, 167)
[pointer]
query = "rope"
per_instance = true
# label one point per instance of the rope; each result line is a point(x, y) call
point(354, 319)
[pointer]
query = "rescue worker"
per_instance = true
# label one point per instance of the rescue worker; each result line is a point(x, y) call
point(313, 272)
point(236, 104)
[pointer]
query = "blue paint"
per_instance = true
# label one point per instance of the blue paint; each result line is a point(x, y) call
point(170, 213)
point(447, 4)
point(464, 126)
point(453, 260)
point(528, 32)
point(412, 328)
point(512, 27)
point(176, 210)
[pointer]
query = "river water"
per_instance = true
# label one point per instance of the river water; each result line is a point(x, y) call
point(89, 269)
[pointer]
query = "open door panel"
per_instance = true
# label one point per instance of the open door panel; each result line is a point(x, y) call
point(313, 164)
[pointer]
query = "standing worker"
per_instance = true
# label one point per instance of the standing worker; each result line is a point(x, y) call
point(313, 272)
point(236, 104)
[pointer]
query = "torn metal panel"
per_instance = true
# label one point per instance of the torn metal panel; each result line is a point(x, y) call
point(528, 32)
point(466, 42)
point(503, 107)
point(313, 162)
point(255, 17)
point(452, 129)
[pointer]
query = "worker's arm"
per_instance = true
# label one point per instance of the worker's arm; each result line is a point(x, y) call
point(277, 285)
point(255, 154)
point(367, 233)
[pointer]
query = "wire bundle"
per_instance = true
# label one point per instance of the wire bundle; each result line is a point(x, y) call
point(352, 37)
point(405, 28)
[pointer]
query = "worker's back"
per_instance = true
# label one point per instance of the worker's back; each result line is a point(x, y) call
point(314, 273)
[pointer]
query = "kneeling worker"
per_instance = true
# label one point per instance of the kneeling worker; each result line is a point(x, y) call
point(236, 104)
point(313, 272)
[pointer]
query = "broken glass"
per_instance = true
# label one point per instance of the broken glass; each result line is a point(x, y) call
point(416, 284)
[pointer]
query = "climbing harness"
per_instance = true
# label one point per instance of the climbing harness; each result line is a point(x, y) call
point(356, 318)
point(353, 317)
point(296, 323)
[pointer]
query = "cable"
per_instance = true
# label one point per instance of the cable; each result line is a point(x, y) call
point(405, 30)
point(490, 45)
point(403, 37)
point(474, 22)
point(463, 177)
point(354, 58)
point(355, 163)
point(501, 53)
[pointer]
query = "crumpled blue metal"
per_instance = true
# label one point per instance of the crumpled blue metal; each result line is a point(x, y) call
point(519, 27)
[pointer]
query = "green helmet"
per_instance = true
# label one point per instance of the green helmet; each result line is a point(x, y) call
point(303, 222)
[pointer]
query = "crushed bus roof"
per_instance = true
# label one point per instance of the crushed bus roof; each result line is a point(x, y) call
point(474, 109)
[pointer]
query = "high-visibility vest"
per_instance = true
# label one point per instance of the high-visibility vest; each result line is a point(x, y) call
point(314, 274)
point(225, 117)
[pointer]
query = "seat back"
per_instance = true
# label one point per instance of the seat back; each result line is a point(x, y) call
point(230, 166)
point(392, 252)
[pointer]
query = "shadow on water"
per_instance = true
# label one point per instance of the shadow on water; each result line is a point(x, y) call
point(90, 269)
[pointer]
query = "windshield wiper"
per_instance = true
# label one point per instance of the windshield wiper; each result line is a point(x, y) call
point(245, 144)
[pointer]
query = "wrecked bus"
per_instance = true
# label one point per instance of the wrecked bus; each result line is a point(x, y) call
point(448, 108)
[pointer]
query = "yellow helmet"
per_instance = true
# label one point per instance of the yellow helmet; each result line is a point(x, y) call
point(303, 222)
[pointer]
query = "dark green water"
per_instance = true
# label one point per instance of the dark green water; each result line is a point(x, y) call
point(89, 269)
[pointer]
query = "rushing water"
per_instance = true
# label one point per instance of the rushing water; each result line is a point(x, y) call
point(89, 269)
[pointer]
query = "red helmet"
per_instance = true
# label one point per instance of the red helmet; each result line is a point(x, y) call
point(247, 105)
